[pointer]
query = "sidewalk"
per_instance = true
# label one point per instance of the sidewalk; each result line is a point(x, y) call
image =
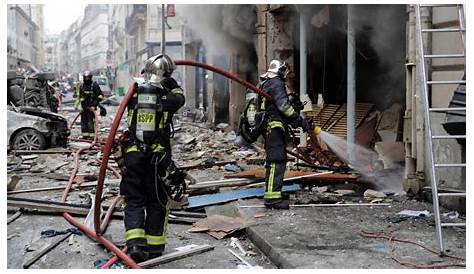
point(328, 237)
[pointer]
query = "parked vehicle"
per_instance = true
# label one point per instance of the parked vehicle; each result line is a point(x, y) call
point(104, 85)
point(31, 128)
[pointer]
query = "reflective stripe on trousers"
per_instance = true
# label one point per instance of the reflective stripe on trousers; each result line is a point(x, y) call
point(134, 233)
point(270, 194)
point(160, 239)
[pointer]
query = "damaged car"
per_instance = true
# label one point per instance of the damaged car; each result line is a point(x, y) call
point(33, 90)
point(31, 128)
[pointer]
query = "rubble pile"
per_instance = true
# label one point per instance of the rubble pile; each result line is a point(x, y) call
point(193, 144)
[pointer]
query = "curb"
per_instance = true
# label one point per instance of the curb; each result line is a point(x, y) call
point(267, 249)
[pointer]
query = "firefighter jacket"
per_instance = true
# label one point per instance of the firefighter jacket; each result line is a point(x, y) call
point(280, 109)
point(89, 95)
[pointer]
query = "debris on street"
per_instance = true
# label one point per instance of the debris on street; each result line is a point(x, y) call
point(236, 136)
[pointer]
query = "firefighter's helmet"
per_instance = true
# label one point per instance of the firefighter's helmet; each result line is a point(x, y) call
point(276, 68)
point(159, 66)
point(87, 76)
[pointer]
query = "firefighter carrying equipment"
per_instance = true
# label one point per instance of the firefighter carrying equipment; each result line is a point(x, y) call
point(103, 111)
point(89, 97)
point(147, 113)
point(147, 159)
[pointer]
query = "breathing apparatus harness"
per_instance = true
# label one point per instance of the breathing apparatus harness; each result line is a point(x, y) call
point(147, 133)
point(254, 116)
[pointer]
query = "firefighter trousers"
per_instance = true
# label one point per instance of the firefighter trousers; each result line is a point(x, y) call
point(87, 124)
point(146, 201)
point(275, 162)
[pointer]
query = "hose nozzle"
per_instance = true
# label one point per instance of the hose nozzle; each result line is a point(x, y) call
point(317, 130)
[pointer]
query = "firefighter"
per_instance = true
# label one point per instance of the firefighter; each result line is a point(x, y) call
point(89, 97)
point(150, 171)
point(279, 114)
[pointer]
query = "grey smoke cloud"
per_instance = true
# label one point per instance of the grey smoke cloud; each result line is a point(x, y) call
point(224, 29)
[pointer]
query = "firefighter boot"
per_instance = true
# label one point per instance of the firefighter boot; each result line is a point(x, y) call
point(156, 251)
point(138, 253)
point(277, 204)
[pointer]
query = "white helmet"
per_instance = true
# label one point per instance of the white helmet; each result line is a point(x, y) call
point(159, 66)
point(276, 68)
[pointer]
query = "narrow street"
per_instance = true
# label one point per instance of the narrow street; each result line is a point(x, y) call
point(236, 136)
point(306, 237)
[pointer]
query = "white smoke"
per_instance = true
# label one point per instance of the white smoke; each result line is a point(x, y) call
point(224, 29)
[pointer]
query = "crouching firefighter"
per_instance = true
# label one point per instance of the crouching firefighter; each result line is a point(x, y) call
point(89, 97)
point(151, 177)
point(271, 119)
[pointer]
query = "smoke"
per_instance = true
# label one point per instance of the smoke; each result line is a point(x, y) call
point(385, 29)
point(380, 50)
point(223, 29)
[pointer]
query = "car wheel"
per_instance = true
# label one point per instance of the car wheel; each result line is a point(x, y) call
point(29, 139)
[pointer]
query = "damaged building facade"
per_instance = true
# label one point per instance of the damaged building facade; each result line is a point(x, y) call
point(136, 35)
point(25, 35)
point(385, 71)
point(313, 39)
point(85, 44)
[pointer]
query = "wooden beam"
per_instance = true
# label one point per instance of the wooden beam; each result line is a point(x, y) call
point(82, 210)
point(49, 206)
point(176, 255)
point(40, 254)
point(15, 216)
point(25, 152)
point(222, 183)
point(206, 165)
point(49, 188)
point(91, 184)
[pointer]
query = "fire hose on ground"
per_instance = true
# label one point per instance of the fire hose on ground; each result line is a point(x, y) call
point(108, 244)
point(101, 225)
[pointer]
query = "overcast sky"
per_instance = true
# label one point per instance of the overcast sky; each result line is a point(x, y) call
point(59, 16)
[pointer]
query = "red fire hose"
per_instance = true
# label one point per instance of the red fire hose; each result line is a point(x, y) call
point(98, 225)
point(81, 226)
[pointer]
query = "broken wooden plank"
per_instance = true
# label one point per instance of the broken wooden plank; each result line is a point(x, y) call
point(90, 184)
point(188, 214)
point(212, 199)
point(260, 173)
point(166, 258)
point(222, 183)
point(303, 177)
point(40, 254)
point(15, 216)
point(57, 176)
point(187, 218)
point(50, 151)
point(206, 165)
point(296, 175)
point(49, 188)
point(48, 206)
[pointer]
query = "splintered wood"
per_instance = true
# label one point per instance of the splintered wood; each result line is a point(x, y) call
point(333, 118)
point(259, 173)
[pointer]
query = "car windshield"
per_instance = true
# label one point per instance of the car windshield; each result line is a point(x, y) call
point(101, 81)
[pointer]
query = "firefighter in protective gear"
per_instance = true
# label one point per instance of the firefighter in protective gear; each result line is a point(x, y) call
point(89, 97)
point(147, 158)
point(279, 114)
